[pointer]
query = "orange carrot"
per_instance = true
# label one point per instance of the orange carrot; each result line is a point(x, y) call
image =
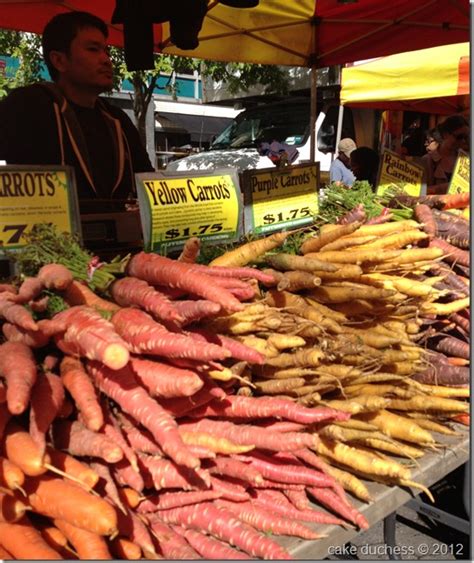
point(125, 549)
point(12, 509)
point(80, 441)
point(57, 498)
point(79, 385)
point(21, 450)
point(23, 541)
point(11, 476)
point(73, 467)
point(29, 290)
point(130, 496)
point(455, 361)
point(88, 545)
point(18, 367)
point(46, 401)
point(4, 554)
point(79, 293)
point(52, 536)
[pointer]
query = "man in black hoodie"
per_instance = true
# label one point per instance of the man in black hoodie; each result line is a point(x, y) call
point(65, 121)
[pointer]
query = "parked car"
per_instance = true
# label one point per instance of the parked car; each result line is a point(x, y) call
point(286, 122)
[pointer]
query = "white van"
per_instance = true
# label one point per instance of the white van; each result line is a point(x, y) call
point(286, 122)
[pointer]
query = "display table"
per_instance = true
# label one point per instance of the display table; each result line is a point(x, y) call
point(432, 467)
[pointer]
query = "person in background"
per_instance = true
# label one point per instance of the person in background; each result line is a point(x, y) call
point(365, 165)
point(340, 170)
point(64, 122)
point(433, 140)
point(440, 164)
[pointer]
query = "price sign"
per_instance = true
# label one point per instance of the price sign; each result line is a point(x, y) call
point(395, 171)
point(279, 198)
point(175, 207)
point(460, 180)
point(35, 194)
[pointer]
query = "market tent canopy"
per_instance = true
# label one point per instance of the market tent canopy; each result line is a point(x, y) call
point(434, 80)
point(299, 33)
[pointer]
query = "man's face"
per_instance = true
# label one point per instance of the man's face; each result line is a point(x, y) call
point(88, 64)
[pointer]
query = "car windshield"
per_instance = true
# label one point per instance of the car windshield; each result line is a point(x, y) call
point(283, 123)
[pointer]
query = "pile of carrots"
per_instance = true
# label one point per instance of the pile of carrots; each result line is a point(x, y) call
point(193, 410)
point(104, 451)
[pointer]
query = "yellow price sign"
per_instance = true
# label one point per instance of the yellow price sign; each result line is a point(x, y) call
point(30, 195)
point(395, 171)
point(176, 207)
point(280, 198)
point(460, 180)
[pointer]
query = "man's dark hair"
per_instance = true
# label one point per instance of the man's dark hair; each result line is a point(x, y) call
point(452, 124)
point(62, 29)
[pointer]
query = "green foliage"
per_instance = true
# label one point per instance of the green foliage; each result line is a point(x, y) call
point(26, 48)
point(339, 199)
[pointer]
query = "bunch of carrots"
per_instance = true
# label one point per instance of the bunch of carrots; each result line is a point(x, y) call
point(104, 452)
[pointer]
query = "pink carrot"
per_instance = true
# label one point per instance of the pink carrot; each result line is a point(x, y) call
point(165, 474)
point(78, 440)
point(234, 468)
point(224, 271)
point(164, 380)
point(32, 338)
point(76, 380)
point(298, 499)
point(265, 407)
point(142, 441)
point(29, 290)
point(237, 349)
point(192, 311)
point(126, 476)
point(92, 336)
point(17, 315)
point(131, 526)
point(231, 489)
point(55, 276)
point(130, 292)
point(281, 471)
point(183, 405)
point(158, 270)
point(145, 335)
point(330, 500)
point(282, 506)
point(46, 401)
point(112, 430)
point(108, 484)
point(246, 434)
point(164, 501)
point(265, 520)
point(18, 368)
point(223, 525)
point(171, 545)
point(282, 426)
point(210, 548)
point(121, 386)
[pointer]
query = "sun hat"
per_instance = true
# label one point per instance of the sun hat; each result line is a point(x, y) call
point(346, 146)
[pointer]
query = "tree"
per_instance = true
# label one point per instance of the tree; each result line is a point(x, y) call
point(26, 49)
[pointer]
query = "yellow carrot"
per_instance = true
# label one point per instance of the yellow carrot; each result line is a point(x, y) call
point(398, 427)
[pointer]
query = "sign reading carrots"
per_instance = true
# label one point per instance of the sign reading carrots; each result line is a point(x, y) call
point(280, 198)
point(175, 207)
point(394, 171)
point(460, 179)
point(35, 194)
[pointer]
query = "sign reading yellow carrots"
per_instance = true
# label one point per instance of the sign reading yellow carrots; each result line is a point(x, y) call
point(460, 179)
point(30, 195)
point(174, 208)
point(394, 171)
point(280, 198)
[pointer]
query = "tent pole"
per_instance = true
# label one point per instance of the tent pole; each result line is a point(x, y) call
point(314, 111)
point(340, 119)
